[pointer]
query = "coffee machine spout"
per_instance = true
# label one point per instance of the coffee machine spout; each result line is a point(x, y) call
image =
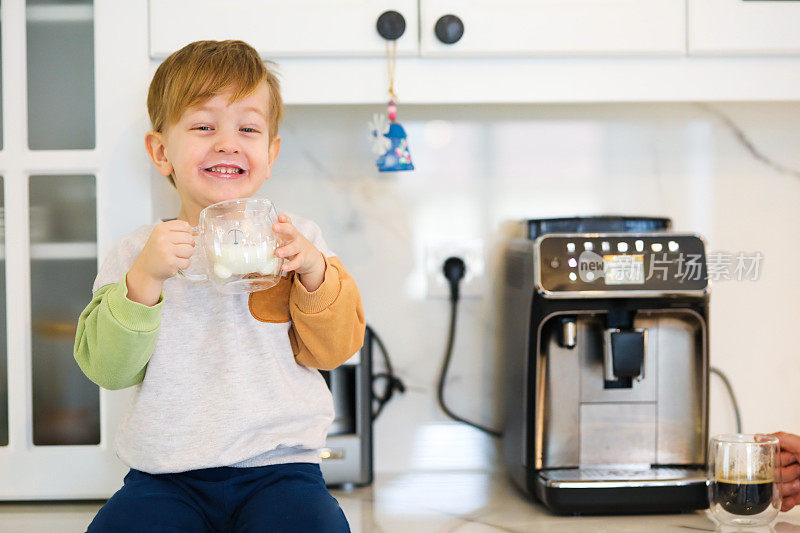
point(624, 354)
point(569, 333)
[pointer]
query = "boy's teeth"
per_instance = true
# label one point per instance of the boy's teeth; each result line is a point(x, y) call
point(225, 170)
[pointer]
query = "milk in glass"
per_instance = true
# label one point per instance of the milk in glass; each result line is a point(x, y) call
point(240, 258)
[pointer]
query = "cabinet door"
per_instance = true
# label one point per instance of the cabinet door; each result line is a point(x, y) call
point(744, 27)
point(557, 27)
point(277, 28)
point(73, 88)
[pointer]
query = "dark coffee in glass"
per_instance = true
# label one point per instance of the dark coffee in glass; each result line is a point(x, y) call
point(744, 476)
point(744, 497)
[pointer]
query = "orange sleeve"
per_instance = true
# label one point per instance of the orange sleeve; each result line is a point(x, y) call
point(327, 324)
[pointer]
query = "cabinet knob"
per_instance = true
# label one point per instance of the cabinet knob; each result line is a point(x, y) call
point(391, 25)
point(449, 29)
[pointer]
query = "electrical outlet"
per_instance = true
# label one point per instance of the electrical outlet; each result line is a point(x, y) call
point(473, 285)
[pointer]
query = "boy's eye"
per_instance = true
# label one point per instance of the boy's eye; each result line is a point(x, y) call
point(207, 128)
point(251, 130)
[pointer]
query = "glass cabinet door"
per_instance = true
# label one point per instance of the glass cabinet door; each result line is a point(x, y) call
point(60, 68)
point(66, 405)
point(62, 218)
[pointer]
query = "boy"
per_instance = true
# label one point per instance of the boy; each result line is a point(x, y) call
point(224, 428)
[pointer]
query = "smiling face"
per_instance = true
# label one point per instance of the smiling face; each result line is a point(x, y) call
point(217, 150)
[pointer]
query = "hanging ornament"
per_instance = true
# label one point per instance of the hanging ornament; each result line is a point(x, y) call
point(388, 138)
point(397, 156)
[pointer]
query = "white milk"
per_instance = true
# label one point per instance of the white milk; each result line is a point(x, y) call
point(230, 259)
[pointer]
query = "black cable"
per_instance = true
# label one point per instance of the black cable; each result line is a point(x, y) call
point(393, 383)
point(728, 386)
point(454, 272)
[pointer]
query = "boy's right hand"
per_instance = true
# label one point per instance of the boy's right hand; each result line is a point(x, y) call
point(167, 251)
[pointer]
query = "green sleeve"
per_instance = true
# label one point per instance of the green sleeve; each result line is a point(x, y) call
point(116, 337)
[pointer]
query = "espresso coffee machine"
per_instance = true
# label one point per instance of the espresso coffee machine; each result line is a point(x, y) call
point(605, 346)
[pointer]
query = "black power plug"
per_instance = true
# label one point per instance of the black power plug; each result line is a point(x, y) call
point(454, 270)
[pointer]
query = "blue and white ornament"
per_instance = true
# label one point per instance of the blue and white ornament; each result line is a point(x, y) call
point(393, 147)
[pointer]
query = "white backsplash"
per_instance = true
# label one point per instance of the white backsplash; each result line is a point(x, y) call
point(478, 169)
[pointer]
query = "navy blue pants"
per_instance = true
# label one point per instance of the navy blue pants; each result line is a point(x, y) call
point(276, 498)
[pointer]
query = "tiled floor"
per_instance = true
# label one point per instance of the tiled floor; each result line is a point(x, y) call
point(466, 502)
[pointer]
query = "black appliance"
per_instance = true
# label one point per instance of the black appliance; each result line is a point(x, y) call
point(605, 345)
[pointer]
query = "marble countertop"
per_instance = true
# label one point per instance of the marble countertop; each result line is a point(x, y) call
point(421, 502)
point(487, 502)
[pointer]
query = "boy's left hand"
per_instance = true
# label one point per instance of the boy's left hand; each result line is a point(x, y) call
point(303, 257)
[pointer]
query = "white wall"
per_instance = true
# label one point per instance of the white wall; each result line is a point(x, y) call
point(479, 167)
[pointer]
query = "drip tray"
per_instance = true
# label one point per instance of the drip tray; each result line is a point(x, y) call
point(623, 489)
point(617, 477)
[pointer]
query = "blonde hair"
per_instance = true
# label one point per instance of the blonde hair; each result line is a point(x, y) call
point(204, 69)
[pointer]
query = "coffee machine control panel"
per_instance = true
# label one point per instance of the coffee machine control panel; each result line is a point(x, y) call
point(620, 264)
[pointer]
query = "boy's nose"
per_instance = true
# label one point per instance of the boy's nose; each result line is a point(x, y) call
point(226, 144)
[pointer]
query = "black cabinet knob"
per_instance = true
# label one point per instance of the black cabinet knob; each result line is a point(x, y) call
point(449, 29)
point(391, 25)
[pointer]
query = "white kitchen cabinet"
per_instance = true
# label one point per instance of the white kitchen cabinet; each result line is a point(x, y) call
point(511, 51)
point(555, 27)
point(279, 28)
point(74, 182)
point(737, 27)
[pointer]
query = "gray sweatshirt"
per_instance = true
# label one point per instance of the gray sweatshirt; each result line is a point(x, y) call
point(221, 380)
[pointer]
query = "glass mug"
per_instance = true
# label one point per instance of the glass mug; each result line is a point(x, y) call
point(237, 246)
point(744, 475)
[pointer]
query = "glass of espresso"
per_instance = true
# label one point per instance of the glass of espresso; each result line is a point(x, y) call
point(744, 479)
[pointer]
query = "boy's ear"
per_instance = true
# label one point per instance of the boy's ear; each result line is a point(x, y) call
point(154, 143)
point(274, 148)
